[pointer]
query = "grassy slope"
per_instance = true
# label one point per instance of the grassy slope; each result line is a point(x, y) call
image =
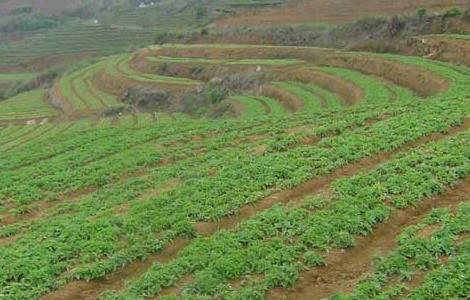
point(26, 105)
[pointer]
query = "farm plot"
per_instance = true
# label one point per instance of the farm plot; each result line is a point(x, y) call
point(424, 252)
point(190, 60)
point(343, 78)
point(289, 167)
point(250, 207)
point(78, 90)
point(25, 106)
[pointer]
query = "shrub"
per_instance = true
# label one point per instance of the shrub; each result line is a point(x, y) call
point(22, 10)
point(421, 13)
point(452, 13)
point(147, 99)
point(29, 23)
point(466, 13)
point(312, 259)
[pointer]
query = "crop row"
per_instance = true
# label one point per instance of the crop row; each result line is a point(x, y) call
point(223, 182)
point(78, 89)
point(110, 155)
point(28, 105)
point(191, 60)
point(422, 249)
point(121, 66)
point(279, 243)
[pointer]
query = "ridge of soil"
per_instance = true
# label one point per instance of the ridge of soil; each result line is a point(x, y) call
point(327, 11)
point(345, 268)
point(90, 290)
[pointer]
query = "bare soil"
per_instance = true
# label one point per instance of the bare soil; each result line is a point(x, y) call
point(311, 54)
point(447, 49)
point(333, 12)
point(347, 91)
point(422, 82)
point(82, 290)
point(288, 100)
point(90, 290)
point(345, 268)
point(317, 184)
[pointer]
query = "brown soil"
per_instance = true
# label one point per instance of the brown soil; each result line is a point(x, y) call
point(260, 149)
point(317, 184)
point(177, 288)
point(118, 85)
point(82, 290)
point(195, 71)
point(289, 101)
point(15, 138)
point(327, 11)
point(422, 82)
point(429, 230)
point(452, 50)
point(344, 268)
point(26, 139)
point(367, 247)
point(347, 91)
point(266, 107)
point(311, 54)
point(57, 99)
point(237, 108)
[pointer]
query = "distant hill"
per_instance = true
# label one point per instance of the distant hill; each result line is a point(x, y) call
point(328, 11)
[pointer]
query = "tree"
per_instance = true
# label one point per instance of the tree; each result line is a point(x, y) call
point(201, 12)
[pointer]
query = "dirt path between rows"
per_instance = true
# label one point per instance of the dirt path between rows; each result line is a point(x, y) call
point(321, 185)
point(344, 269)
point(318, 184)
point(91, 290)
point(82, 290)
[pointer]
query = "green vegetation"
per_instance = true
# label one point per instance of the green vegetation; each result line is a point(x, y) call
point(374, 90)
point(251, 107)
point(311, 101)
point(450, 36)
point(244, 203)
point(329, 99)
point(251, 3)
point(8, 77)
point(423, 253)
point(202, 196)
point(79, 90)
point(274, 107)
point(191, 60)
point(121, 65)
point(265, 245)
point(28, 105)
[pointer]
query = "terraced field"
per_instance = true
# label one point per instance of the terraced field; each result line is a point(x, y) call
point(325, 11)
point(115, 30)
point(9, 80)
point(332, 159)
point(452, 48)
point(28, 105)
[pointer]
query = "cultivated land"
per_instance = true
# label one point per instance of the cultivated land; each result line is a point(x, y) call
point(232, 171)
point(325, 11)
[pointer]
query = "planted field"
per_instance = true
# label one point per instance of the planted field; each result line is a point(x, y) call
point(426, 261)
point(8, 77)
point(333, 12)
point(329, 160)
point(28, 105)
point(189, 60)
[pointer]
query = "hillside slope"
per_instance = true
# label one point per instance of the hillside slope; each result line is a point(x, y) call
point(327, 11)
